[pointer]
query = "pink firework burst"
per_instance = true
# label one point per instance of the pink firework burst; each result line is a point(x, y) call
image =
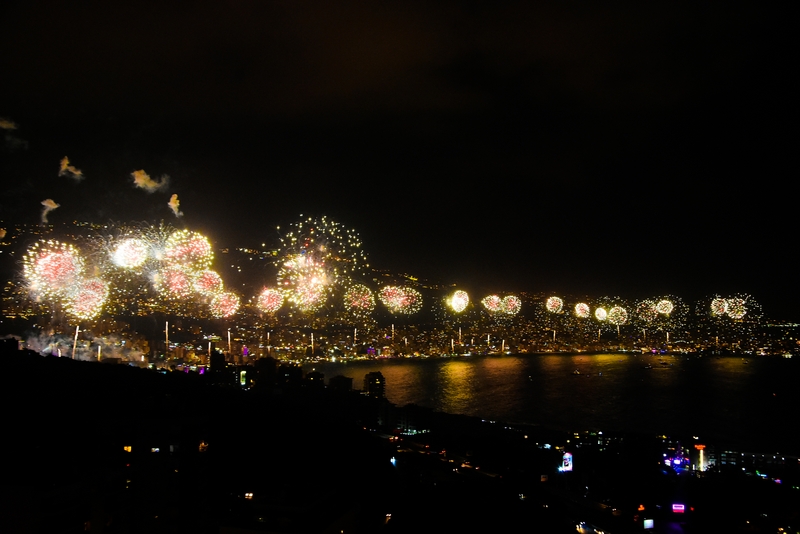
point(52, 267)
point(554, 305)
point(359, 297)
point(174, 282)
point(511, 305)
point(582, 310)
point(188, 248)
point(403, 300)
point(270, 300)
point(208, 283)
point(224, 305)
point(87, 300)
point(492, 303)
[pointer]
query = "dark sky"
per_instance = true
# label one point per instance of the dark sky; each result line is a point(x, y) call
point(635, 150)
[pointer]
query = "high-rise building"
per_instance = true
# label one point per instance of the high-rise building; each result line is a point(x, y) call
point(375, 385)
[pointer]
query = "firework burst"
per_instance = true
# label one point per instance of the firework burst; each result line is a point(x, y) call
point(174, 282)
point(646, 311)
point(617, 316)
point(130, 253)
point(582, 310)
point(508, 305)
point(359, 300)
point(306, 281)
point(554, 305)
point(664, 306)
point(52, 268)
point(719, 306)
point(492, 303)
point(208, 283)
point(188, 249)
point(327, 242)
point(458, 301)
point(511, 305)
point(269, 300)
point(87, 299)
point(224, 305)
point(401, 300)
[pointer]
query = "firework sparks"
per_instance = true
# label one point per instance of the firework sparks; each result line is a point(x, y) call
point(617, 316)
point(188, 249)
point(87, 300)
point(52, 268)
point(664, 307)
point(359, 300)
point(459, 301)
point(719, 306)
point(269, 300)
point(224, 305)
point(306, 281)
point(554, 305)
point(647, 311)
point(402, 300)
point(174, 282)
point(130, 253)
point(208, 283)
point(582, 310)
point(511, 304)
point(736, 308)
point(492, 303)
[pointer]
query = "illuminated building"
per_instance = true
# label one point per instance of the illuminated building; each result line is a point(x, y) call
point(375, 385)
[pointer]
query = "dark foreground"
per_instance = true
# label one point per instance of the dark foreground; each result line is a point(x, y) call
point(110, 448)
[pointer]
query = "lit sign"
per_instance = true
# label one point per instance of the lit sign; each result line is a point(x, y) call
point(242, 378)
point(678, 508)
point(566, 462)
point(699, 447)
point(648, 524)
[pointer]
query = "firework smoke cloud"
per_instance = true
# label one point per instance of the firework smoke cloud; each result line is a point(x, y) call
point(11, 142)
point(142, 180)
point(70, 171)
point(174, 204)
point(49, 205)
point(6, 124)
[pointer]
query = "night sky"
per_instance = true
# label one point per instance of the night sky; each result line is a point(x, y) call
point(575, 148)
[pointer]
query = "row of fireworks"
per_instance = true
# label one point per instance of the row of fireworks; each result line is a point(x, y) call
point(318, 257)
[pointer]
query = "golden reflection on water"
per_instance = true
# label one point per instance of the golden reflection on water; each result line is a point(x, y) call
point(457, 385)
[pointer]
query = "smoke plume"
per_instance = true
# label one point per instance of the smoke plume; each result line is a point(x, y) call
point(142, 180)
point(49, 205)
point(174, 204)
point(70, 171)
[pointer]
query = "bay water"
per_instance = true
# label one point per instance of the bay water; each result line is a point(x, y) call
point(751, 403)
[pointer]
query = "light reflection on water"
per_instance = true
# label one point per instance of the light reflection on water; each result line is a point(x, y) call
point(724, 398)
